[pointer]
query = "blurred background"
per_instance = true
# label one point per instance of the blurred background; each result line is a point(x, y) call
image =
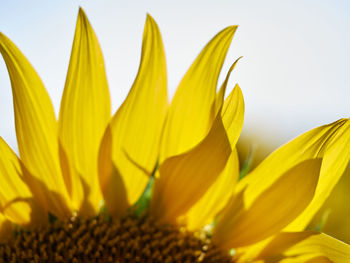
point(294, 73)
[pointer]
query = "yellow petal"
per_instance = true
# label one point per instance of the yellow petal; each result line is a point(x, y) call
point(329, 142)
point(14, 194)
point(36, 128)
point(305, 247)
point(241, 224)
point(204, 211)
point(185, 178)
point(336, 156)
point(111, 183)
point(233, 115)
point(192, 109)
point(84, 113)
point(137, 125)
point(221, 93)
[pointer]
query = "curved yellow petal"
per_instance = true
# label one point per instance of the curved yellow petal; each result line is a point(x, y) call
point(233, 115)
point(111, 183)
point(192, 109)
point(329, 142)
point(36, 128)
point(220, 95)
point(203, 212)
point(84, 114)
point(241, 224)
point(185, 178)
point(316, 142)
point(336, 156)
point(307, 246)
point(14, 194)
point(137, 125)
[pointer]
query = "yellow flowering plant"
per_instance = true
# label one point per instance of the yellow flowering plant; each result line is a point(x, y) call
point(156, 182)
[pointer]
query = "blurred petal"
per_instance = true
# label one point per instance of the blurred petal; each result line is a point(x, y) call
point(192, 109)
point(84, 114)
point(241, 224)
point(5, 229)
point(305, 246)
point(204, 211)
point(329, 142)
point(333, 217)
point(137, 125)
point(36, 128)
point(185, 178)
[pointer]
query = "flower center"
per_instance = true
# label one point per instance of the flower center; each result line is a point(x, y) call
point(98, 240)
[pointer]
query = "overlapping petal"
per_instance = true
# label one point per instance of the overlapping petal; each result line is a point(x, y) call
point(111, 183)
point(204, 211)
point(14, 194)
point(36, 130)
point(192, 109)
point(233, 114)
point(220, 95)
point(84, 114)
point(185, 178)
point(307, 247)
point(329, 142)
point(336, 156)
point(242, 224)
point(137, 125)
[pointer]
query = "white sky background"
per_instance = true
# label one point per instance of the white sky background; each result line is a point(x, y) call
point(295, 72)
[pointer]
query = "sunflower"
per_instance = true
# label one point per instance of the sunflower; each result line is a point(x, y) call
point(156, 182)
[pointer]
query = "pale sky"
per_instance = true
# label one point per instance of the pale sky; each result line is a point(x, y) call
point(294, 73)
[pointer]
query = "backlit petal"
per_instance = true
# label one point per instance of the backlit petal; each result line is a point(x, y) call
point(137, 125)
point(84, 114)
point(329, 142)
point(193, 107)
point(185, 178)
point(112, 186)
point(307, 247)
point(204, 211)
point(241, 224)
point(233, 115)
point(36, 129)
point(336, 156)
point(14, 194)
point(220, 95)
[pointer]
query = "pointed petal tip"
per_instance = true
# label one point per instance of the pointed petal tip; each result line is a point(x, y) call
point(82, 14)
point(238, 88)
point(232, 28)
point(149, 18)
point(81, 10)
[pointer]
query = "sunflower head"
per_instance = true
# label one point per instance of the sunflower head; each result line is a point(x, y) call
point(155, 182)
